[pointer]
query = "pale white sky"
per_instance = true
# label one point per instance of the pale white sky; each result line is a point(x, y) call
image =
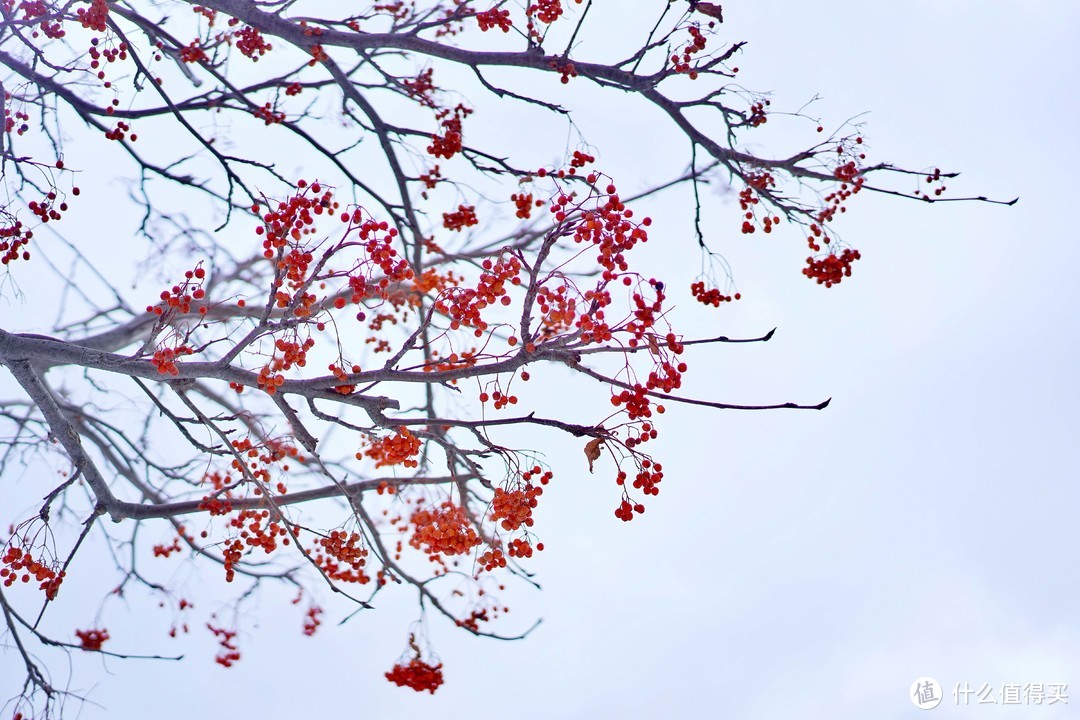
point(796, 564)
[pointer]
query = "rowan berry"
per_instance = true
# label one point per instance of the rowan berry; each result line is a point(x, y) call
point(417, 674)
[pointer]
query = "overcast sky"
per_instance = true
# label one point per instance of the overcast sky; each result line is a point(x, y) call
point(796, 564)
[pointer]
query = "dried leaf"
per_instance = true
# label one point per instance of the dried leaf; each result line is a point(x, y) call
point(710, 9)
point(592, 451)
point(654, 347)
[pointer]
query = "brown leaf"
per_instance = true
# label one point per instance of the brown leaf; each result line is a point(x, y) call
point(592, 451)
point(710, 9)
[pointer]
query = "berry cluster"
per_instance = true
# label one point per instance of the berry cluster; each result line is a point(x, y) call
point(756, 182)
point(342, 556)
point(934, 177)
point(163, 550)
point(474, 618)
point(464, 305)
point(318, 54)
point(294, 218)
point(92, 639)
point(580, 159)
point(453, 19)
point(558, 310)
point(46, 209)
point(817, 233)
point(37, 8)
point(120, 133)
point(524, 204)
point(681, 62)
point(18, 560)
point(285, 230)
point(250, 42)
point(311, 620)
point(217, 503)
point(443, 530)
point(831, 269)
point(377, 238)
point(453, 361)
point(164, 360)
point(268, 381)
point(260, 457)
point(635, 402)
point(178, 624)
point(417, 674)
point(565, 68)
point(398, 449)
point(293, 353)
point(288, 353)
point(398, 9)
point(16, 121)
point(626, 510)
point(851, 182)
point(648, 477)
point(758, 113)
point(340, 373)
point(180, 297)
point(712, 296)
point(450, 142)
point(254, 525)
point(268, 114)
point(422, 87)
point(608, 227)
point(645, 312)
point(209, 14)
point(433, 282)
point(499, 399)
point(13, 241)
point(846, 172)
point(519, 547)
point(546, 11)
point(514, 507)
point(463, 217)
point(430, 179)
point(193, 53)
point(494, 17)
point(232, 551)
point(110, 55)
point(95, 17)
point(255, 531)
point(228, 653)
point(492, 559)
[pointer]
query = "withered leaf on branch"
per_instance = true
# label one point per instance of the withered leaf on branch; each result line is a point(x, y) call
point(654, 347)
point(592, 451)
point(710, 9)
